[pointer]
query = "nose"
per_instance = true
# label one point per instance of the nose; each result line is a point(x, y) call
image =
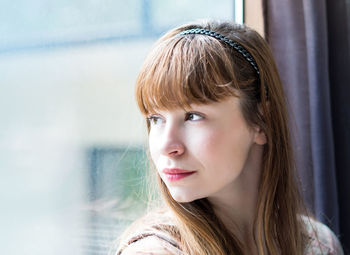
point(172, 144)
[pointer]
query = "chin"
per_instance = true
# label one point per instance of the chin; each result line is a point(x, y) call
point(183, 198)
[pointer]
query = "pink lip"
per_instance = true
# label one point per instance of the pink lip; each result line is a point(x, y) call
point(175, 174)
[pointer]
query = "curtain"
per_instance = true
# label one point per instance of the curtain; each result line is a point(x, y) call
point(310, 41)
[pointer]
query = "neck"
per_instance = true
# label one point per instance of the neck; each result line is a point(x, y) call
point(236, 204)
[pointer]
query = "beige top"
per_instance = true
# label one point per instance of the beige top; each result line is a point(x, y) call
point(156, 234)
point(153, 234)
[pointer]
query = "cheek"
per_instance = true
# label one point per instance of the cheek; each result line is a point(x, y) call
point(153, 147)
point(206, 146)
point(225, 149)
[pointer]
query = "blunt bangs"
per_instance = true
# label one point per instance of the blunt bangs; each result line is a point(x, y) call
point(184, 70)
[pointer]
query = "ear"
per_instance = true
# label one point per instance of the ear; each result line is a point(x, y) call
point(259, 136)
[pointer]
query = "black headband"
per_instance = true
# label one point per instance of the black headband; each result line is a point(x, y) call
point(235, 45)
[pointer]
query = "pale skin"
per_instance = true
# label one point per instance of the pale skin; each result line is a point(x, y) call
point(215, 142)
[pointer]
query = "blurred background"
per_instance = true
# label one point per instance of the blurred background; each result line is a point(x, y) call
point(72, 142)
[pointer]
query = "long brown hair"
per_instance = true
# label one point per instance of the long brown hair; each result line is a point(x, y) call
point(184, 69)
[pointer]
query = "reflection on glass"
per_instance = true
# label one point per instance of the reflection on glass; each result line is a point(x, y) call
point(72, 142)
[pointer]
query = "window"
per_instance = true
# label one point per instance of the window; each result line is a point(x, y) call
point(72, 139)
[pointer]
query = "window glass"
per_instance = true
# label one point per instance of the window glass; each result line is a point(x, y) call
point(72, 142)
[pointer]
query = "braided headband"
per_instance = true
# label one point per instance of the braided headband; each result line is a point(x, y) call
point(235, 45)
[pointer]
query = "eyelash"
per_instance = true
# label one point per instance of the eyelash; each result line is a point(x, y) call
point(193, 113)
point(155, 117)
point(152, 118)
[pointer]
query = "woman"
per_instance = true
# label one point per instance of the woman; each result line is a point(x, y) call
point(220, 144)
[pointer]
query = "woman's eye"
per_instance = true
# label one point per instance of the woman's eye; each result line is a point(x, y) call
point(154, 120)
point(193, 116)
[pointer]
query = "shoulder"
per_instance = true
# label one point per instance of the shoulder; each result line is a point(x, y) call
point(150, 245)
point(154, 233)
point(322, 240)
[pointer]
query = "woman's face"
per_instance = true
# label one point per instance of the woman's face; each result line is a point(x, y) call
point(202, 152)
